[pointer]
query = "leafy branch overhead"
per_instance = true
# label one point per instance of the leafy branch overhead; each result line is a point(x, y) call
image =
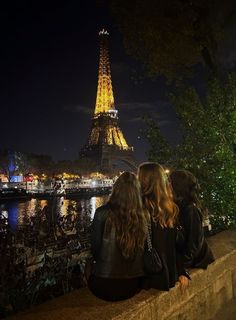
point(172, 36)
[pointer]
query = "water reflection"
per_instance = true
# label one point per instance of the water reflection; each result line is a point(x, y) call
point(43, 247)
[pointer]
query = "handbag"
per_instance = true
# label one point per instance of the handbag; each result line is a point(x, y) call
point(151, 258)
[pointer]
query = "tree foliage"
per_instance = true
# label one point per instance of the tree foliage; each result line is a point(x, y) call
point(15, 163)
point(171, 36)
point(5, 165)
point(208, 148)
point(158, 145)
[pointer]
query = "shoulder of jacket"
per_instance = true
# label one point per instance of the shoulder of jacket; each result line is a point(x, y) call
point(102, 210)
point(193, 210)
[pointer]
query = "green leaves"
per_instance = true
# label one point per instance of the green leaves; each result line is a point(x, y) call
point(208, 145)
point(159, 148)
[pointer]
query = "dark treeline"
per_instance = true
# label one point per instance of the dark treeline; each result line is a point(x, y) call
point(24, 163)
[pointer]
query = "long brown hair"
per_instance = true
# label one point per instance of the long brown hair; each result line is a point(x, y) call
point(127, 214)
point(186, 189)
point(157, 194)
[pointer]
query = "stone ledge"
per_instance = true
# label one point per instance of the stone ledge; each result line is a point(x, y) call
point(228, 312)
point(209, 290)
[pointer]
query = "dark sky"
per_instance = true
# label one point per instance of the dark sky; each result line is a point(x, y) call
point(48, 71)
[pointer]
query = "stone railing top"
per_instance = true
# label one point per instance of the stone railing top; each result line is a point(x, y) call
point(154, 304)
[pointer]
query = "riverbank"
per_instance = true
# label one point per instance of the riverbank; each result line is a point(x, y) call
point(11, 194)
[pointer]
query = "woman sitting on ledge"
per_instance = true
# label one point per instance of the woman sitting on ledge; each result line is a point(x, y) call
point(158, 201)
point(195, 250)
point(117, 241)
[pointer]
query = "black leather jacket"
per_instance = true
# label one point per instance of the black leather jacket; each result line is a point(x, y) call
point(196, 250)
point(109, 262)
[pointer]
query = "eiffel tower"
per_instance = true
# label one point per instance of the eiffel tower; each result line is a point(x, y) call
point(106, 143)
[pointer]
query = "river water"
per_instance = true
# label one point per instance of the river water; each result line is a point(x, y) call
point(43, 248)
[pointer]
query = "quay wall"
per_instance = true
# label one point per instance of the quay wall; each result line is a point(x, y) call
point(209, 291)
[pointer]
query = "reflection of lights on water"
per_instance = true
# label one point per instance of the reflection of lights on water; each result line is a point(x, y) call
point(85, 206)
point(13, 217)
point(31, 209)
point(5, 214)
point(73, 203)
point(101, 201)
point(93, 206)
point(96, 202)
point(63, 205)
point(42, 203)
point(88, 207)
point(21, 212)
point(28, 209)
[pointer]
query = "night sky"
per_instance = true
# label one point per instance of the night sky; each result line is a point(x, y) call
point(49, 69)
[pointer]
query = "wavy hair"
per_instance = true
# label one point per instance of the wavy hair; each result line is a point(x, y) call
point(127, 214)
point(186, 188)
point(157, 194)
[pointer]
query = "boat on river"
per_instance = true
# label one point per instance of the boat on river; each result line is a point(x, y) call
point(13, 194)
point(82, 187)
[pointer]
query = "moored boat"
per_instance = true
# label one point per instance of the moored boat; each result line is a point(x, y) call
point(13, 193)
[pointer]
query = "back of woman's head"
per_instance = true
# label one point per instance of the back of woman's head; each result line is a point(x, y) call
point(126, 214)
point(157, 194)
point(125, 192)
point(185, 186)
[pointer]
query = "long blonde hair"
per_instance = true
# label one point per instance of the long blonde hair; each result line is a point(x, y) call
point(157, 194)
point(127, 214)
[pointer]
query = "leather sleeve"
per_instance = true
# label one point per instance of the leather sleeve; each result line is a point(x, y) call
point(180, 262)
point(97, 232)
point(194, 232)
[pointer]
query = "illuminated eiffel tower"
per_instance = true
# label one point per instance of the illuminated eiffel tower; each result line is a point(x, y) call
point(106, 143)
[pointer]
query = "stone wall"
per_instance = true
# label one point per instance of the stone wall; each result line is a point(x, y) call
point(208, 292)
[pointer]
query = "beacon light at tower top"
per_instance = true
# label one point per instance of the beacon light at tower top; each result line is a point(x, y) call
point(103, 32)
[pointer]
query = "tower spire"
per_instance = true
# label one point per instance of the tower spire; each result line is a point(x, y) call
point(106, 142)
point(105, 97)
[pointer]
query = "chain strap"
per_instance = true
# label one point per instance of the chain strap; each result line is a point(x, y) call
point(149, 236)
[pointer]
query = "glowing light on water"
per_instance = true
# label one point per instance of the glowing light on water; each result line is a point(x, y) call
point(97, 202)
point(93, 206)
point(5, 214)
point(13, 217)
